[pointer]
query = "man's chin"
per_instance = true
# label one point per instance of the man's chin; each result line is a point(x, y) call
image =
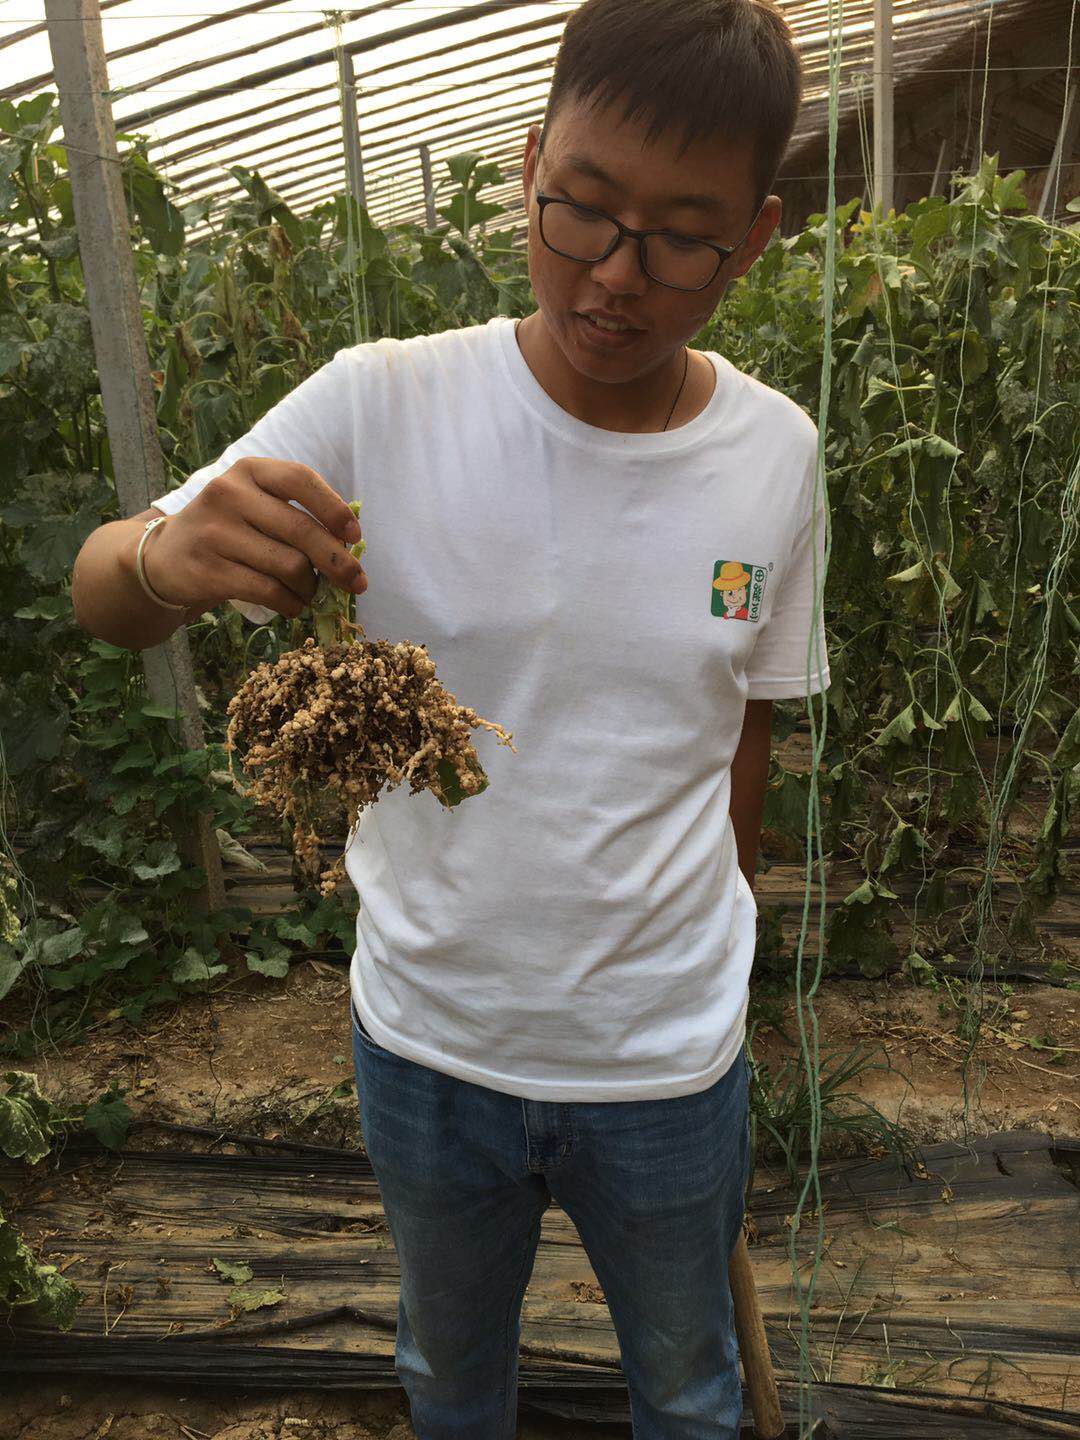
point(595, 360)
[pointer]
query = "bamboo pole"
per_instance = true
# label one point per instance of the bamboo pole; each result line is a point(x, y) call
point(123, 367)
point(216, 137)
point(186, 180)
point(39, 28)
point(309, 61)
point(754, 1347)
point(286, 164)
point(202, 57)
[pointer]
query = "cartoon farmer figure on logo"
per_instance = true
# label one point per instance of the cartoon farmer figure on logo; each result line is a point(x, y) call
point(732, 582)
point(737, 589)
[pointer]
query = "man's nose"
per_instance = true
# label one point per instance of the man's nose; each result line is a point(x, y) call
point(622, 270)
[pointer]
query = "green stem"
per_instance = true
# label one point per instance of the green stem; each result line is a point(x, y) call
point(331, 607)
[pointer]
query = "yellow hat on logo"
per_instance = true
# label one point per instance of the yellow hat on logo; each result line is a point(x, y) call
point(731, 576)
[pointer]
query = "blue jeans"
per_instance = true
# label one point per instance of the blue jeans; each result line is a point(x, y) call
point(655, 1189)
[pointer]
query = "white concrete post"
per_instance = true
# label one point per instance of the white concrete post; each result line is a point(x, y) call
point(429, 186)
point(350, 128)
point(884, 164)
point(1062, 149)
point(120, 349)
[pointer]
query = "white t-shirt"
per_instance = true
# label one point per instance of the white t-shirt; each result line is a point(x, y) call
point(580, 930)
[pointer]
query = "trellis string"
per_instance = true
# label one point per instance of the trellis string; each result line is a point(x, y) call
point(811, 1061)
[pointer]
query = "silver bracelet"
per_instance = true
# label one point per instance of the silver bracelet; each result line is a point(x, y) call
point(150, 524)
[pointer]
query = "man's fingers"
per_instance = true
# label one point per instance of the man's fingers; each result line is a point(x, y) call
point(290, 481)
point(243, 582)
point(261, 552)
point(281, 540)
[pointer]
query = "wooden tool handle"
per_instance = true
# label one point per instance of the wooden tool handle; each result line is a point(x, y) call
point(753, 1347)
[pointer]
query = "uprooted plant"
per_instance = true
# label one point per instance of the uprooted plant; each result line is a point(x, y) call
point(329, 726)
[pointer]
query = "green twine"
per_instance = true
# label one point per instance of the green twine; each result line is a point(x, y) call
point(813, 819)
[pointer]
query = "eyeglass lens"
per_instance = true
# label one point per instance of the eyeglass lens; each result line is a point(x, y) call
point(581, 235)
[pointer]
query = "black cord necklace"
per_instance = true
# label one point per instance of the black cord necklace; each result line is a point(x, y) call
point(682, 382)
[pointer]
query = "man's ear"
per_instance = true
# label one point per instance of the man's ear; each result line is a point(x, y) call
point(528, 167)
point(767, 221)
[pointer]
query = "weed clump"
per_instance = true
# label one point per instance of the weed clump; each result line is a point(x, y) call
point(329, 726)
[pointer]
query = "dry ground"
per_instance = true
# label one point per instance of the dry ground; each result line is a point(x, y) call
point(264, 1057)
point(132, 1410)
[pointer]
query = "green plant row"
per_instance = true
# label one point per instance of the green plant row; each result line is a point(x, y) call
point(951, 451)
point(90, 766)
point(952, 457)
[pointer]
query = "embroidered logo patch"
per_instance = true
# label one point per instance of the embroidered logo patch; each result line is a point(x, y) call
point(737, 589)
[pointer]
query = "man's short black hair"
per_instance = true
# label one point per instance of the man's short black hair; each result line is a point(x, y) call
point(724, 69)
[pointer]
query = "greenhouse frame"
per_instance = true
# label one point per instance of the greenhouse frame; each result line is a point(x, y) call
point(210, 211)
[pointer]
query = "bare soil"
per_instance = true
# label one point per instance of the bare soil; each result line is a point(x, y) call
point(133, 1410)
point(270, 1058)
point(264, 1057)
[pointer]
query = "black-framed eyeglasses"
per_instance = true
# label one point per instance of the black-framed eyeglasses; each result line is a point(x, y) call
point(581, 232)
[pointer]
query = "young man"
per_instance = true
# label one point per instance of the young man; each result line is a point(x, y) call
point(606, 541)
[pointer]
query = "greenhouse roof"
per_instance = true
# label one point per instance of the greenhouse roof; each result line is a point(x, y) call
point(257, 84)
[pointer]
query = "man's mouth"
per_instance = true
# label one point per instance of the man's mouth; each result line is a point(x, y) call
point(602, 322)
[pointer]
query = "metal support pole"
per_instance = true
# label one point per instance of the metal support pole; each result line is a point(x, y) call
point(937, 167)
point(429, 186)
point(884, 165)
point(120, 349)
point(350, 128)
point(1064, 146)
